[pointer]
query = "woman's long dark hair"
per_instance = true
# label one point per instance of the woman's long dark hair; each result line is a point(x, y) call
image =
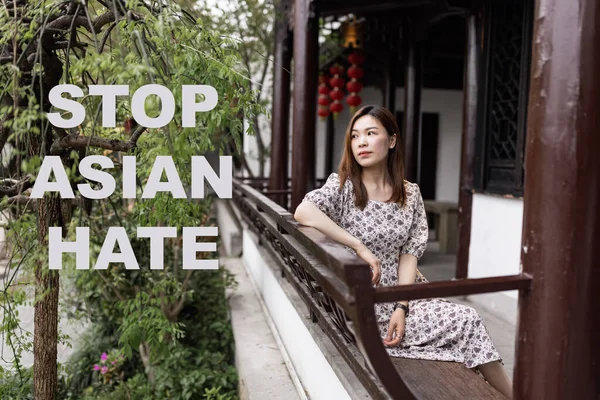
point(350, 169)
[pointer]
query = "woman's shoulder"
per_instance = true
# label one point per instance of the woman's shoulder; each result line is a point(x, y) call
point(334, 179)
point(412, 189)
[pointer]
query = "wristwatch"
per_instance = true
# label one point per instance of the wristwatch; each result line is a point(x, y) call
point(402, 306)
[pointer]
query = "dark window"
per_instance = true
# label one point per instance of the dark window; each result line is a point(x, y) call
point(503, 102)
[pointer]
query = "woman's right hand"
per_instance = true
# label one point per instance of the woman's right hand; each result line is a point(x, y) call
point(363, 252)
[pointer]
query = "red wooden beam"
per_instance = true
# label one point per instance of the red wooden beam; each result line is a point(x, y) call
point(306, 64)
point(278, 179)
point(471, 90)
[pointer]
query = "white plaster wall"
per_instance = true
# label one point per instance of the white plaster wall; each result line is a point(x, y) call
point(496, 224)
point(315, 373)
point(448, 103)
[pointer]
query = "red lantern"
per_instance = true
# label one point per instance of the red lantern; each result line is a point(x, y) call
point(354, 86)
point(353, 101)
point(336, 94)
point(323, 112)
point(336, 69)
point(356, 58)
point(323, 100)
point(337, 82)
point(355, 72)
point(336, 108)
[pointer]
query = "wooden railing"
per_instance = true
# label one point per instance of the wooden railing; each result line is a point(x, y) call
point(335, 284)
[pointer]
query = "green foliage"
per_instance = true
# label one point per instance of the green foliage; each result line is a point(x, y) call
point(185, 358)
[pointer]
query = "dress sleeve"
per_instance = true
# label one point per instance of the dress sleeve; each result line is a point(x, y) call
point(328, 198)
point(418, 233)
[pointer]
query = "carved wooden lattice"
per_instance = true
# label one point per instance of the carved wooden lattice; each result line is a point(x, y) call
point(315, 295)
point(504, 116)
point(506, 82)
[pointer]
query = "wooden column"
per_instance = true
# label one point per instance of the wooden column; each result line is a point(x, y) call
point(329, 141)
point(412, 102)
point(470, 90)
point(558, 354)
point(278, 178)
point(306, 60)
point(391, 81)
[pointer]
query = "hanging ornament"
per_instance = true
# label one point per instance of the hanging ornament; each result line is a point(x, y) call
point(337, 84)
point(323, 112)
point(354, 86)
point(336, 108)
point(323, 100)
point(353, 100)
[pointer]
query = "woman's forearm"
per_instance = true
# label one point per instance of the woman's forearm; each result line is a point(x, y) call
point(309, 214)
point(407, 271)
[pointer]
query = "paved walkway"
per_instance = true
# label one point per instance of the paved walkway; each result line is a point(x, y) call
point(439, 267)
point(260, 364)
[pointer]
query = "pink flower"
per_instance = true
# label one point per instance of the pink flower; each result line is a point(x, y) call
point(96, 367)
point(104, 370)
point(113, 362)
point(104, 357)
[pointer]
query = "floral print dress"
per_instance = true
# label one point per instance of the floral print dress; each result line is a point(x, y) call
point(436, 329)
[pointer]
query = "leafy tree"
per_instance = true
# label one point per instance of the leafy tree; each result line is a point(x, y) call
point(251, 24)
point(44, 43)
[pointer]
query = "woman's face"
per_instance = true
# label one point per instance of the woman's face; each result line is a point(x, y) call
point(370, 141)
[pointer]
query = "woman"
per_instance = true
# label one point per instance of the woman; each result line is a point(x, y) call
point(370, 208)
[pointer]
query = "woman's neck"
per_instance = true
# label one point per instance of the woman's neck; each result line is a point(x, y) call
point(375, 177)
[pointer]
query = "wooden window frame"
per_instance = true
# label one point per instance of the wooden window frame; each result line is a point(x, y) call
point(498, 179)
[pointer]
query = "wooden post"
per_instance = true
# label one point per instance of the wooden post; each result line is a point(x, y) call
point(306, 48)
point(281, 103)
point(390, 81)
point(558, 354)
point(329, 142)
point(471, 89)
point(412, 102)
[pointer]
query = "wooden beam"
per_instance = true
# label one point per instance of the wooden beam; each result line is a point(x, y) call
point(558, 355)
point(278, 177)
point(462, 287)
point(306, 61)
point(470, 104)
point(333, 7)
point(412, 102)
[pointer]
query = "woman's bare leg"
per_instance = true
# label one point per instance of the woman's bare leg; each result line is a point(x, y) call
point(496, 376)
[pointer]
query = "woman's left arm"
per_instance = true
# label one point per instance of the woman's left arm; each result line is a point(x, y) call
point(411, 251)
point(407, 272)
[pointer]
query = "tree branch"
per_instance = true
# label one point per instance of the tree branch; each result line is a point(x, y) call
point(16, 188)
point(174, 312)
point(102, 20)
point(82, 142)
point(109, 283)
point(64, 22)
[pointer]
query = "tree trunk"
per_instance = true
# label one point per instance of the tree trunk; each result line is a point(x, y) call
point(52, 211)
point(45, 334)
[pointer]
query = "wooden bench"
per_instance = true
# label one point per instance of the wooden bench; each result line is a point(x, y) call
point(335, 285)
point(446, 225)
point(444, 380)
